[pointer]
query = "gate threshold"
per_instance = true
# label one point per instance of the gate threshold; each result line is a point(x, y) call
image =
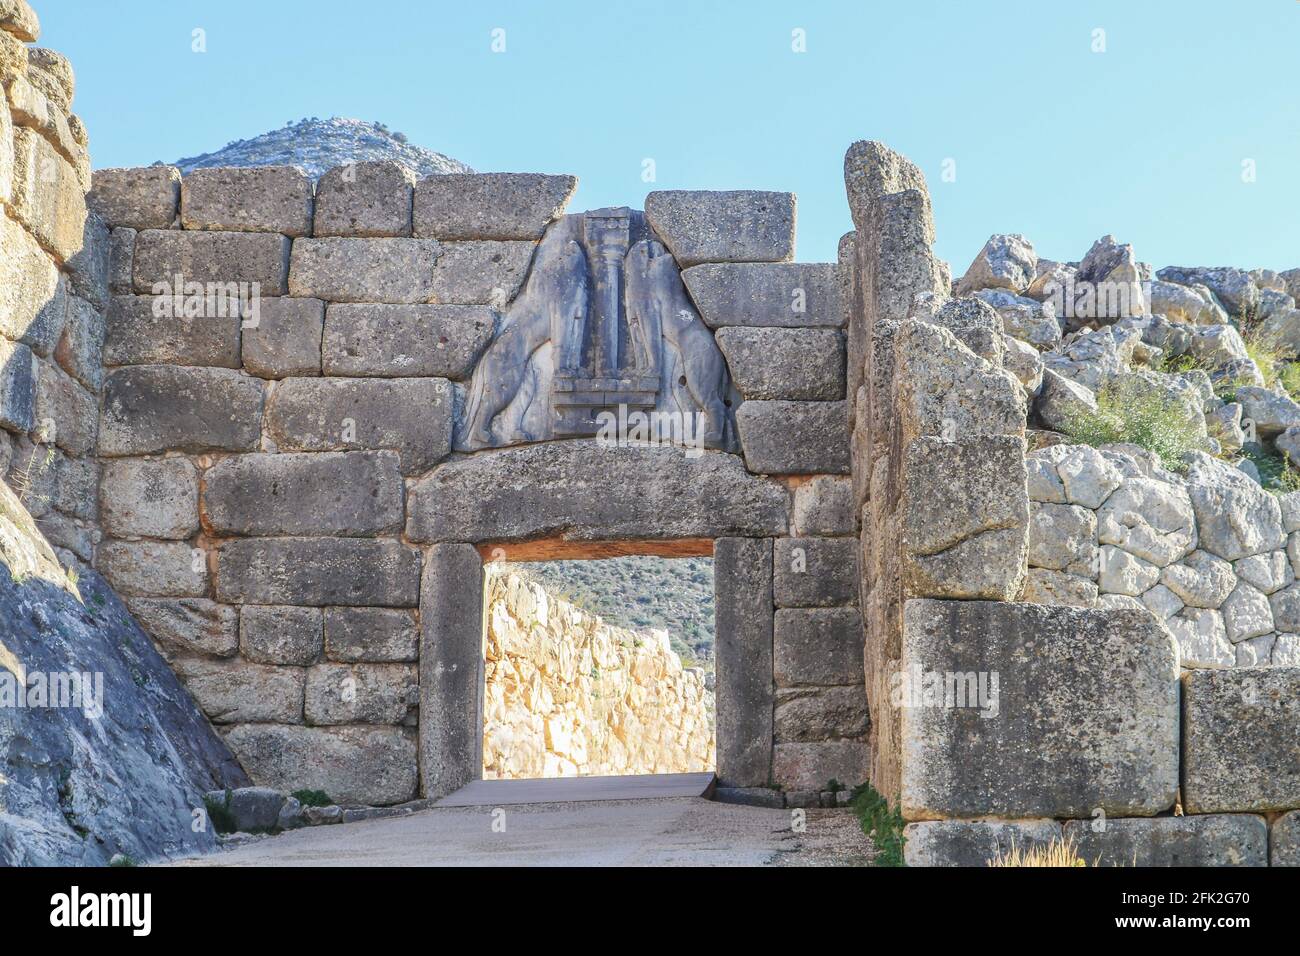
point(649, 786)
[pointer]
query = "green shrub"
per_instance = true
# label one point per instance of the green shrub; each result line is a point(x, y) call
point(1131, 410)
point(1276, 474)
point(219, 812)
point(312, 798)
point(883, 825)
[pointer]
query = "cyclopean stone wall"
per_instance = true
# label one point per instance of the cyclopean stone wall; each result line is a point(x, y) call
point(285, 492)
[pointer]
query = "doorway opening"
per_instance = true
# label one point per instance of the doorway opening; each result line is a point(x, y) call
point(598, 666)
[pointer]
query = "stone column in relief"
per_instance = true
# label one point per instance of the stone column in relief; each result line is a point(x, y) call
point(451, 669)
point(742, 587)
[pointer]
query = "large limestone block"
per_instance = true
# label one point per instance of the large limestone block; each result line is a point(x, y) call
point(974, 842)
point(360, 693)
point(89, 267)
point(585, 491)
point(29, 282)
point(19, 19)
point(375, 634)
point(805, 364)
point(48, 198)
point(330, 493)
point(823, 505)
point(964, 514)
point(490, 205)
point(1202, 638)
point(1211, 840)
point(480, 272)
point(1152, 520)
point(153, 408)
point(743, 616)
point(1085, 713)
point(79, 349)
point(270, 634)
point(812, 766)
point(1200, 580)
point(767, 294)
point(1005, 262)
point(368, 199)
point(1044, 586)
point(67, 413)
point(155, 498)
point(154, 568)
point(451, 669)
point(6, 135)
point(1063, 538)
point(1235, 517)
point(189, 625)
point(1241, 751)
point(821, 713)
point(738, 226)
point(364, 270)
point(794, 438)
point(211, 257)
point(405, 340)
point(286, 338)
point(17, 387)
point(318, 571)
point(815, 572)
point(248, 199)
point(141, 330)
point(147, 197)
point(357, 765)
point(411, 416)
point(1284, 840)
point(817, 646)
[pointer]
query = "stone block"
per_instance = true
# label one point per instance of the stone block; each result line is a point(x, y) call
point(47, 195)
point(490, 205)
point(19, 19)
point(1083, 714)
point(1284, 840)
point(451, 669)
point(154, 568)
point(66, 414)
point(973, 842)
point(815, 572)
point(1239, 739)
point(329, 493)
point(17, 387)
point(821, 713)
point(152, 498)
point(148, 409)
point(318, 571)
point(795, 364)
point(405, 340)
point(29, 283)
point(219, 258)
point(249, 809)
point(742, 589)
point(823, 505)
point(364, 270)
point(793, 295)
point(412, 416)
point(794, 438)
point(360, 693)
point(817, 646)
point(81, 344)
point(286, 338)
point(371, 634)
point(143, 330)
point(89, 266)
point(248, 199)
point(121, 260)
point(1210, 840)
point(736, 226)
point(272, 634)
point(366, 199)
point(147, 197)
point(188, 625)
point(41, 335)
point(812, 766)
point(583, 491)
point(480, 272)
point(237, 692)
point(750, 796)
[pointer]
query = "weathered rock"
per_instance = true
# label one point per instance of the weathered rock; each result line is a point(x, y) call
point(766, 294)
point(1284, 840)
point(30, 288)
point(1084, 475)
point(1218, 346)
point(17, 387)
point(1255, 651)
point(812, 766)
point(88, 267)
point(318, 571)
point(1024, 319)
point(147, 197)
point(331, 493)
point(356, 634)
point(736, 226)
point(1061, 403)
point(1200, 580)
point(48, 198)
point(18, 18)
point(1191, 304)
point(1234, 287)
point(817, 646)
point(1005, 262)
point(154, 568)
point(363, 270)
point(1162, 602)
point(153, 408)
point(584, 491)
point(248, 199)
point(1285, 606)
point(360, 693)
point(1227, 840)
point(364, 199)
point(821, 713)
point(1043, 586)
point(79, 347)
point(1202, 638)
point(1288, 443)
point(1069, 680)
point(1124, 573)
point(1246, 613)
point(1021, 360)
point(490, 205)
point(189, 625)
point(1063, 538)
point(974, 842)
point(237, 692)
point(405, 340)
point(412, 416)
point(480, 272)
point(815, 572)
point(805, 364)
point(823, 505)
point(270, 634)
point(784, 438)
point(1268, 412)
point(211, 257)
point(286, 338)
point(155, 498)
point(144, 330)
point(248, 809)
point(1224, 425)
point(1286, 650)
point(1235, 517)
point(743, 623)
point(1239, 740)
point(1149, 519)
point(362, 765)
point(1267, 572)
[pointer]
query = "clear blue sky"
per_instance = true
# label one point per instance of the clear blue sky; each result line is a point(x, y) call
point(1050, 139)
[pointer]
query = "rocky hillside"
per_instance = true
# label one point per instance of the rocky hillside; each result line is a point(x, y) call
point(317, 145)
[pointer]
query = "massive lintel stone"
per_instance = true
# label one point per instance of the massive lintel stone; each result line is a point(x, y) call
point(794, 438)
point(412, 416)
point(153, 408)
point(785, 363)
point(490, 205)
point(354, 765)
point(248, 199)
point(1237, 839)
point(1083, 715)
point(767, 294)
point(404, 340)
point(371, 198)
point(737, 226)
point(742, 587)
point(318, 571)
point(974, 842)
point(142, 330)
point(586, 491)
point(211, 257)
point(146, 197)
point(331, 493)
point(1241, 750)
point(364, 270)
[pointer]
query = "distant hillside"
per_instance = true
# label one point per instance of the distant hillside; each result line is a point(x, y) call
point(675, 594)
point(317, 145)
